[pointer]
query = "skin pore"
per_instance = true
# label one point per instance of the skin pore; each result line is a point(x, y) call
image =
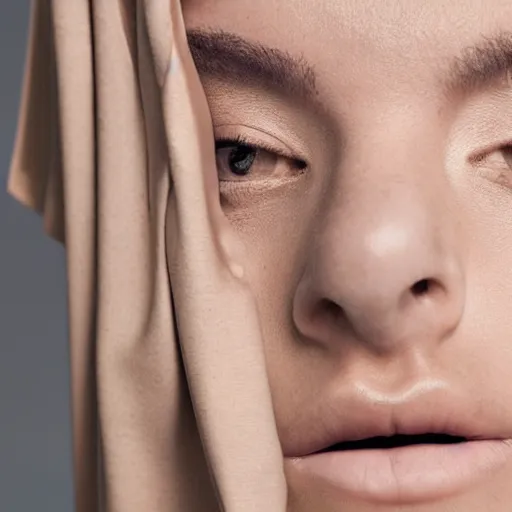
point(377, 217)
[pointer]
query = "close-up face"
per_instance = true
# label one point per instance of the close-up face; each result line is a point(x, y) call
point(364, 155)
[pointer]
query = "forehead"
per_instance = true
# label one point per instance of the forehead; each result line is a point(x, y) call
point(388, 21)
point(391, 45)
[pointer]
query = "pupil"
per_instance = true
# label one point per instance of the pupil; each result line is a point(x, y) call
point(241, 159)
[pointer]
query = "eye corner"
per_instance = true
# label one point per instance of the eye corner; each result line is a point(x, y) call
point(483, 155)
point(477, 158)
point(301, 164)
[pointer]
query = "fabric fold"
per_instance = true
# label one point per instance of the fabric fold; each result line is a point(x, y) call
point(171, 407)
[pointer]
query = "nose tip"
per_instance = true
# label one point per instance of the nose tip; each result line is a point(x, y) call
point(423, 312)
point(411, 293)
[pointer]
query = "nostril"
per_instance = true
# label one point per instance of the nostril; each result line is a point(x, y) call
point(329, 308)
point(421, 287)
point(332, 307)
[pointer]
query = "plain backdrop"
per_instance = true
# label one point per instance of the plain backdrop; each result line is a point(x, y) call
point(35, 440)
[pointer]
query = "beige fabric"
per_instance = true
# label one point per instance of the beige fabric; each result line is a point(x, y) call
point(115, 149)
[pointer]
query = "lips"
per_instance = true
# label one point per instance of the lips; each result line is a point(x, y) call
point(421, 445)
point(428, 413)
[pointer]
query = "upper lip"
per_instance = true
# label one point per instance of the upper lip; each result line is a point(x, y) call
point(427, 408)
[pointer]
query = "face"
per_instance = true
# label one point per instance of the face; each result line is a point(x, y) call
point(364, 154)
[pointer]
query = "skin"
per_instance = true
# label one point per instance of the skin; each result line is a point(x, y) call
point(403, 183)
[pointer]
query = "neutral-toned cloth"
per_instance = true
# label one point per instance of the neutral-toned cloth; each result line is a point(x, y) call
point(171, 407)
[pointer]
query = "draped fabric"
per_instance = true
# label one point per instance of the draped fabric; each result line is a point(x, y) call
point(171, 408)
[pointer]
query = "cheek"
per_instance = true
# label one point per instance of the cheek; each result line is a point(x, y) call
point(275, 228)
point(275, 240)
point(486, 331)
point(277, 234)
point(489, 266)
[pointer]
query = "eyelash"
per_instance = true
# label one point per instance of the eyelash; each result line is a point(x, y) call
point(506, 147)
point(240, 140)
point(481, 156)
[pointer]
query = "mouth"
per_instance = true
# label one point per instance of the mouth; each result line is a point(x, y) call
point(395, 441)
point(430, 445)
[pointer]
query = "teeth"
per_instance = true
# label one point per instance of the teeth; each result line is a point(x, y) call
point(396, 442)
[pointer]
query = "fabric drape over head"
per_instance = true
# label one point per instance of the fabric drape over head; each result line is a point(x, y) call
point(171, 407)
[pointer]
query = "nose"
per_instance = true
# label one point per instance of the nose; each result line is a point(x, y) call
point(384, 269)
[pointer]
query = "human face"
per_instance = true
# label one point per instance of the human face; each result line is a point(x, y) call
point(377, 221)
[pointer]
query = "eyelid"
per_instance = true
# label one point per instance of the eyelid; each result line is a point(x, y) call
point(479, 156)
point(257, 139)
point(227, 142)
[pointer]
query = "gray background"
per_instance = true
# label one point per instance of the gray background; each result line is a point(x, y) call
point(35, 440)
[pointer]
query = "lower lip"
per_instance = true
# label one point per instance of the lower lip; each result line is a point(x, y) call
point(407, 474)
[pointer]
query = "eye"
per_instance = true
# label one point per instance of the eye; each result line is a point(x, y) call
point(499, 159)
point(240, 160)
point(507, 156)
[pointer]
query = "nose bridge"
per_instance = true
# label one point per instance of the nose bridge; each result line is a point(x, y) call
point(402, 138)
point(390, 201)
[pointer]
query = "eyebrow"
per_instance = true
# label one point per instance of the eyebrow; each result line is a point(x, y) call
point(222, 55)
point(481, 65)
